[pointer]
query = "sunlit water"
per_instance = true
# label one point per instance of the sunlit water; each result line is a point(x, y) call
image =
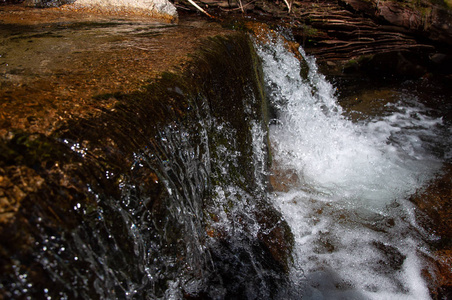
point(193, 229)
point(356, 234)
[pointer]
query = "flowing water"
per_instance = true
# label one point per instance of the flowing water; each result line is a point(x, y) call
point(355, 231)
point(166, 196)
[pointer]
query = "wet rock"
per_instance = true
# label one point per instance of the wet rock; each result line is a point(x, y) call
point(155, 8)
point(15, 184)
point(435, 200)
point(436, 215)
point(282, 180)
point(394, 63)
point(92, 54)
point(107, 181)
point(46, 3)
point(338, 32)
point(424, 18)
point(162, 8)
point(441, 62)
point(443, 274)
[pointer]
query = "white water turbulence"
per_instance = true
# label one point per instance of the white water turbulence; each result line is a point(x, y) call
point(356, 234)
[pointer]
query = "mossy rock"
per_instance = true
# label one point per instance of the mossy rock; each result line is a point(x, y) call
point(126, 197)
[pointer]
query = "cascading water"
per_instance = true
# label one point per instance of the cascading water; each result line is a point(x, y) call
point(165, 195)
point(162, 197)
point(356, 234)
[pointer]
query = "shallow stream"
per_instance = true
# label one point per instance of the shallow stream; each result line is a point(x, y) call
point(183, 187)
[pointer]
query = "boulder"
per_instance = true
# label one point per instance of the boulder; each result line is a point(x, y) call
point(154, 8)
point(118, 179)
point(161, 7)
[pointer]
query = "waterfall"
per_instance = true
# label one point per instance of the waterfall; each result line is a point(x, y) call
point(172, 193)
point(355, 232)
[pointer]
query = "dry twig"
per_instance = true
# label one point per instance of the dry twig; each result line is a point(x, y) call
point(200, 8)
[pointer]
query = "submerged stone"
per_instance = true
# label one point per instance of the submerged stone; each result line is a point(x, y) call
point(53, 62)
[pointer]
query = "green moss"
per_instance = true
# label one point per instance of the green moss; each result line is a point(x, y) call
point(309, 31)
point(357, 63)
point(33, 150)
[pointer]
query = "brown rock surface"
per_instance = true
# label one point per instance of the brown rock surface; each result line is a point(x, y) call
point(53, 65)
point(435, 202)
point(339, 32)
point(432, 20)
point(54, 61)
point(81, 125)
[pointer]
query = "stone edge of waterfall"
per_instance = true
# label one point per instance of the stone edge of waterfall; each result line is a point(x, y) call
point(62, 192)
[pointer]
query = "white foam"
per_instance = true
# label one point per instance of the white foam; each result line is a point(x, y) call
point(335, 155)
point(354, 231)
